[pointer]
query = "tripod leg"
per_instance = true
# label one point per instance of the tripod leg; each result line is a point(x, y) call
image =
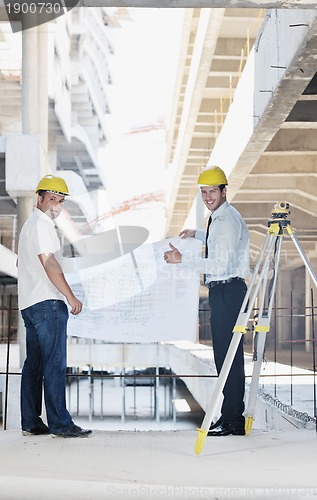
point(302, 254)
point(223, 375)
point(262, 328)
point(255, 382)
point(239, 329)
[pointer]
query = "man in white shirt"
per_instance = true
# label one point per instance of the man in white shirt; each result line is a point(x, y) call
point(225, 267)
point(42, 288)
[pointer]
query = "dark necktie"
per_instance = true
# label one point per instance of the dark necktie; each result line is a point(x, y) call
point(207, 234)
point(206, 242)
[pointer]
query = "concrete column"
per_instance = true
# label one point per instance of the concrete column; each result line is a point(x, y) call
point(282, 301)
point(298, 296)
point(52, 157)
point(24, 209)
point(34, 113)
point(42, 42)
point(29, 126)
point(311, 299)
point(30, 98)
point(291, 281)
point(29, 103)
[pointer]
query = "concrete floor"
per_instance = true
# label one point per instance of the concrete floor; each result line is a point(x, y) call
point(120, 465)
point(159, 461)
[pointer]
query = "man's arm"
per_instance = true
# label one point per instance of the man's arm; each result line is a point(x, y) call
point(56, 276)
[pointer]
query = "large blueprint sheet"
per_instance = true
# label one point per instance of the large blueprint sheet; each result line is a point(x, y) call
point(137, 297)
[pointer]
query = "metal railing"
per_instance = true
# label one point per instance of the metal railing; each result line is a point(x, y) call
point(290, 348)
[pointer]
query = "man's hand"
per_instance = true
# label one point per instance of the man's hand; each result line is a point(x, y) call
point(75, 304)
point(172, 256)
point(187, 233)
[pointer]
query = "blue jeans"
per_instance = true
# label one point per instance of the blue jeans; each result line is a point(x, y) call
point(45, 324)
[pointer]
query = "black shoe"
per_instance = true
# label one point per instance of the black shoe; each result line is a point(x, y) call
point(216, 424)
point(37, 431)
point(227, 429)
point(73, 432)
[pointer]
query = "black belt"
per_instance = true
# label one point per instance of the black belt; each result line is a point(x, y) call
point(223, 282)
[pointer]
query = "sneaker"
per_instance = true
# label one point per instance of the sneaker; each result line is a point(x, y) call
point(37, 431)
point(73, 432)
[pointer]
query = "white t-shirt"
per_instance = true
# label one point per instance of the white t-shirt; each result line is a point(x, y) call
point(38, 236)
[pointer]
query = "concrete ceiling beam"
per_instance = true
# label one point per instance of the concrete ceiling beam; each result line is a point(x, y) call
point(300, 182)
point(206, 38)
point(303, 111)
point(219, 81)
point(292, 84)
point(294, 140)
point(296, 200)
point(200, 144)
point(218, 93)
point(225, 64)
point(271, 163)
point(229, 47)
point(261, 212)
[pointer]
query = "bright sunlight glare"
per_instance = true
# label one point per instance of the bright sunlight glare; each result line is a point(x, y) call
point(143, 72)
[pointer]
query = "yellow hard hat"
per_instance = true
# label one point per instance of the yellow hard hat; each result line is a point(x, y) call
point(52, 184)
point(212, 176)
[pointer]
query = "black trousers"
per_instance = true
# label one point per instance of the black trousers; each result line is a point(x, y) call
point(225, 301)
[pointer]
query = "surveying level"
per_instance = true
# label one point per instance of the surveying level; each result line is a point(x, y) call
point(280, 210)
point(264, 289)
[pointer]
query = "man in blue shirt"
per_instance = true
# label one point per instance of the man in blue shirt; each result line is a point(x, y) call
point(225, 266)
